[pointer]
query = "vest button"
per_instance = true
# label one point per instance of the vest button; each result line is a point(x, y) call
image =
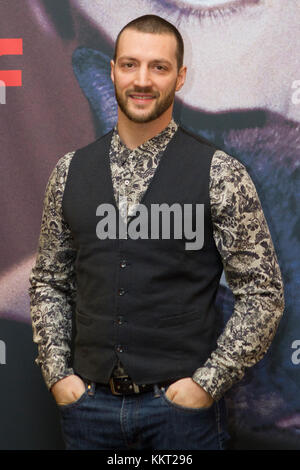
point(121, 291)
point(119, 348)
point(120, 321)
point(123, 263)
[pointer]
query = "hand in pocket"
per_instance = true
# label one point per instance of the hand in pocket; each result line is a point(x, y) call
point(68, 390)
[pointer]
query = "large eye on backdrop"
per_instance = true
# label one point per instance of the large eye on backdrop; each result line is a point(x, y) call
point(207, 8)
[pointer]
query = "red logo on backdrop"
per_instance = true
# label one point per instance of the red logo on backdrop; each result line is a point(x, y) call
point(11, 47)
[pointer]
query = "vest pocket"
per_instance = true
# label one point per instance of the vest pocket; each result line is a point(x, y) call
point(179, 318)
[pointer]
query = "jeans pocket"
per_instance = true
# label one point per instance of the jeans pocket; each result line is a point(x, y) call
point(77, 402)
point(172, 404)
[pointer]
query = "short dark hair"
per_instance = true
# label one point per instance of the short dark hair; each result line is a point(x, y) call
point(155, 25)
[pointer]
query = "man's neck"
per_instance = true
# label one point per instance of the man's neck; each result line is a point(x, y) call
point(134, 134)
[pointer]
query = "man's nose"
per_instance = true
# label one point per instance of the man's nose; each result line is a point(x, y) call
point(142, 77)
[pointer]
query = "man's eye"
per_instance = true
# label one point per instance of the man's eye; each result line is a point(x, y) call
point(160, 67)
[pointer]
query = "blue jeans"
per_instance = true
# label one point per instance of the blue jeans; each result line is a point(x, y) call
point(145, 421)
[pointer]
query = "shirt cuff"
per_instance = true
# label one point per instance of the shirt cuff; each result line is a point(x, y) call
point(51, 376)
point(214, 380)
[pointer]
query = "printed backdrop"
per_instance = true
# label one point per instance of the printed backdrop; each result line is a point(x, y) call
point(242, 93)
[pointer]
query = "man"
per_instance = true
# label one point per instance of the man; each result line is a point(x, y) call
point(150, 367)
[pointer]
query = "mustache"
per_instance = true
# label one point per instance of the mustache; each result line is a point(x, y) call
point(147, 91)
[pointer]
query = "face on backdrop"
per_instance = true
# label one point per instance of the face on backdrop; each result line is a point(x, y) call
point(241, 54)
point(145, 75)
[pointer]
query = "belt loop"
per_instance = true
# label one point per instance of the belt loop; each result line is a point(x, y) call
point(91, 386)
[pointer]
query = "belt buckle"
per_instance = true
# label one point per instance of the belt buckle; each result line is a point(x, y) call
point(112, 387)
point(129, 389)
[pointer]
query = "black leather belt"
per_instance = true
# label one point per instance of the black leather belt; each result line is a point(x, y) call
point(125, 386)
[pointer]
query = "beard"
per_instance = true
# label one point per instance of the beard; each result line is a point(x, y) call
point(160, 105)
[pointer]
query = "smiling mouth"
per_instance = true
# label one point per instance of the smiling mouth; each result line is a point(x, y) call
point(142, 97)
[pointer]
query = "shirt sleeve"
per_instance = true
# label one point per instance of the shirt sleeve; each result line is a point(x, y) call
point(252, 272)
point(53, 282)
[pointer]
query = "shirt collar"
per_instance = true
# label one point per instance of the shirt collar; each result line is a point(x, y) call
point(155, 143)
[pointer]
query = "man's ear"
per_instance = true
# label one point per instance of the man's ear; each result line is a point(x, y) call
point(181, 78)
point(112, 67)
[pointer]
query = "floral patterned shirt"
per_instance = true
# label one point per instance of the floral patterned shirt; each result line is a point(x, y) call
point(242, 238)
